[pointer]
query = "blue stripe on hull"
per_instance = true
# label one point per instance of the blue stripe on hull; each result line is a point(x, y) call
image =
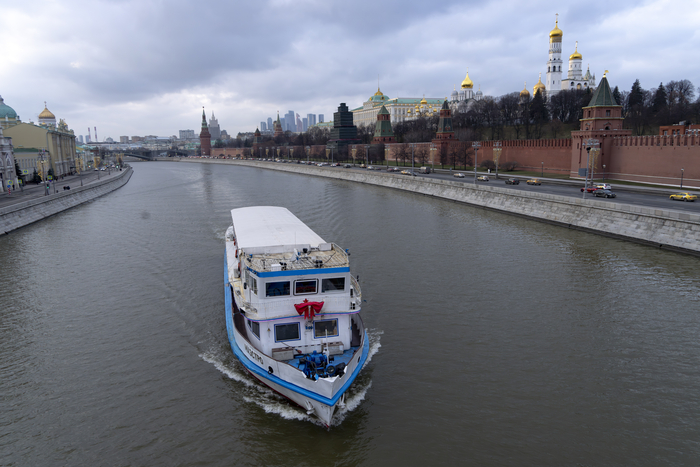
point(260, 373)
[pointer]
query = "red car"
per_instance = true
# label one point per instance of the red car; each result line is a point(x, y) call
point(590, 189)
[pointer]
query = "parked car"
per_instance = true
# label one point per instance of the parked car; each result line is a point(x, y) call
point(589, 189)
point(683, 196)
point(513, 181)
point(459, 175)
point(482, 178)
point(604, 194)
point(534, 181)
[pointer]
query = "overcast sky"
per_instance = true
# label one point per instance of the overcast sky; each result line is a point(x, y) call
point(138, 67)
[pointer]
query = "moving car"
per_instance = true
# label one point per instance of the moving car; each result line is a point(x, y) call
point(683, 196)
point(458, 175)
point(482, 178)
point(589, 189)
point(424, 170)
point(604, 194)
point(603, 186)
point(513, 181)
point(392, 169)
point(408, 172)
point(534, 181)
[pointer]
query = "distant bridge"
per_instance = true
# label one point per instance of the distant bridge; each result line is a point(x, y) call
point(149, 155)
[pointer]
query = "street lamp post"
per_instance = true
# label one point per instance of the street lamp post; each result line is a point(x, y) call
point(592, 148)
point(542, 173)
point(476, 145)
point(603, 173)
point(308, 153)
point(497, 149)
point(433, 148)
point(366, 154)
point(682, 170)
point(413, 147)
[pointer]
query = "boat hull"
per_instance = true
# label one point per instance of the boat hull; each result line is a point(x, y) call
point(320, 397)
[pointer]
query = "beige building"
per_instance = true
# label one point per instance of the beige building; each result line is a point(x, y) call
point(55, 144)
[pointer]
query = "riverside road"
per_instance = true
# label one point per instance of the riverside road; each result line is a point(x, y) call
point(634, 195)
point(32, 191)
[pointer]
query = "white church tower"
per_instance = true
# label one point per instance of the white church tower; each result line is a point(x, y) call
point(553, 83)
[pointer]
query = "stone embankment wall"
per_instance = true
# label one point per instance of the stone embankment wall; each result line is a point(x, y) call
point(668, 229)
point(25, 213)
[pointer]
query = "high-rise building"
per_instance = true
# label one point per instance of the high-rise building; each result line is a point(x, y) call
point(305, 123)
point(214, 128)
point(283, 124)
point(124, 139)
point(320, 118)
point(290, 121)
point(269, 123)
point(311, 119)
point(80, 138)
point(263, 126)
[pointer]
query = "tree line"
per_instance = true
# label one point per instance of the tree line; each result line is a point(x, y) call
point(512, 116)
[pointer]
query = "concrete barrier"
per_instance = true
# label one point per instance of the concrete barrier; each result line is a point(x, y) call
point(663, 228)
point(27, 212)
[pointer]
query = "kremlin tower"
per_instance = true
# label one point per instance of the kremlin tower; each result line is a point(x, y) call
point(205, 137)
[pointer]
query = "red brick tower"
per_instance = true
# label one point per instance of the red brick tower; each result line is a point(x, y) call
point(445, 133)
point(602, 121)
point(205, 136)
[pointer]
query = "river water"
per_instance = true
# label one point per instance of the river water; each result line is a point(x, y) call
point(496, 340)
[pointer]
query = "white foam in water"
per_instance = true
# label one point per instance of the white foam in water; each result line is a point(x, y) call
point(273, 403)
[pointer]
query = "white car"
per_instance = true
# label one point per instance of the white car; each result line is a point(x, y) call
point(458, 175)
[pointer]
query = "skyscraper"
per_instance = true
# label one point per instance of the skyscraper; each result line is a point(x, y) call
point(269, 123)
point(290, 121)
point(320, 118)
point(263, 126)
point(305, 123)
point(311, 119)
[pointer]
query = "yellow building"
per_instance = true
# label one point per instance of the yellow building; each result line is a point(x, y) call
point(400, 108)
point(57, 144)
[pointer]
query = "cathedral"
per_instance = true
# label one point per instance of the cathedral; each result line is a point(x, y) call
point(575, 79)
point(462, 100)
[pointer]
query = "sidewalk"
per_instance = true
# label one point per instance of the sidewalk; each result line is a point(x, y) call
point(32, 191)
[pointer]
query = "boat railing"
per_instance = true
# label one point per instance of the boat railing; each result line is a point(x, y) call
point(355, 295)
point(290, 261)
point(331, 304)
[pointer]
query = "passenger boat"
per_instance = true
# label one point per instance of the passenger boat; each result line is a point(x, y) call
point(293, 309)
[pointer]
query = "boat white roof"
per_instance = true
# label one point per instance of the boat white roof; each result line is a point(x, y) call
point(266, 226)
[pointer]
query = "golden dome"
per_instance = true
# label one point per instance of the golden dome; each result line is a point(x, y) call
point(467, 83)
point(556, 34)
point(378, 93)
point(423, 101)
point(525, 92)
point(46, 113)
point(539, 86)
point(576, 55)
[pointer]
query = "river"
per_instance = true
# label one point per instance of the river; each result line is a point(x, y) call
point(496, 340)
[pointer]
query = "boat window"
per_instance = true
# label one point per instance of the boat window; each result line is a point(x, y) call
point(274, 289)
point(333, 285)
point(325, 328)
point(286, 332)
point(252, 284)
point(255, 327)
point(305, 287)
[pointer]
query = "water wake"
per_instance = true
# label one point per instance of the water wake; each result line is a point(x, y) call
point(273, 403)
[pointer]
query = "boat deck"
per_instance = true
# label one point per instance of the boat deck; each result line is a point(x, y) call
point(345, 358)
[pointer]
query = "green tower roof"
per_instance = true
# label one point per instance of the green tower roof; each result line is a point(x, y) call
point(603, 97)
